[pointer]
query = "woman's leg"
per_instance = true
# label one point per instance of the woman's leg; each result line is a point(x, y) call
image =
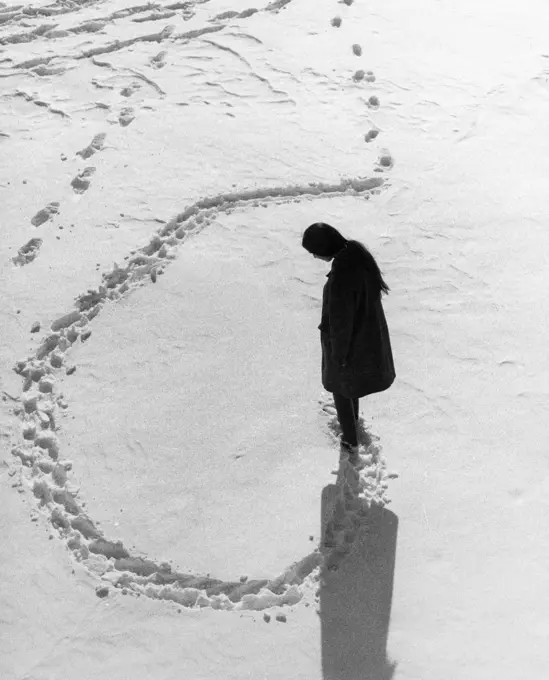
point(355, 408)
point(346, 417)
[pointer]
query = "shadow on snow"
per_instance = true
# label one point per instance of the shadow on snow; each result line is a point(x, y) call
point(355, 600)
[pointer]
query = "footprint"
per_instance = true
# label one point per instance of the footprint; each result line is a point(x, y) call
point(155, 16)
point(28, 252)
point(348, 2)
point(101, 86)
point(385, 161)
point(357, 49)
point(373, 102)
point(43, 70)
point(82, 181)
point(126, 116)
point(336, 21)
point(277, 5)
point(371, 134)
point(128, 91)
point(96, 144)
point(368, 76)
point(45, 214)
point(159, 61)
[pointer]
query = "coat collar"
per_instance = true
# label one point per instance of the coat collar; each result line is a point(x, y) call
point(337, 255)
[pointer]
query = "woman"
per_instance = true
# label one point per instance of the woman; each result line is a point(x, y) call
point(356, 349)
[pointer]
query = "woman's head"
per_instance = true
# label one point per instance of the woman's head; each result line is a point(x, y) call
point(325, 242)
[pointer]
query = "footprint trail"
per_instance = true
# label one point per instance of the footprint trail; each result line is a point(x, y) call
point(40, 467)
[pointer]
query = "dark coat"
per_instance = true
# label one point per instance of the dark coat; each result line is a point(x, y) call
point(356, 349)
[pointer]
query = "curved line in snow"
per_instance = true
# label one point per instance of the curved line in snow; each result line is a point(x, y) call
point(49, 478)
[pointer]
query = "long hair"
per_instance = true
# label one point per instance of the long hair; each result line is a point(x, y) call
point(325, 240)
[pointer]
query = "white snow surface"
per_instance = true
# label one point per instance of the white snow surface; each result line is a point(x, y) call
point(167, 447)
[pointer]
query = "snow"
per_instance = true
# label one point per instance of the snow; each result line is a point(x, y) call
point(167, 447)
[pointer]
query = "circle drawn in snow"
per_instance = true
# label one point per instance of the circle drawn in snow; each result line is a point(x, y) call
point(39, 451)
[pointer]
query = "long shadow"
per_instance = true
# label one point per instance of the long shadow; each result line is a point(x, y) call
point(355, 600)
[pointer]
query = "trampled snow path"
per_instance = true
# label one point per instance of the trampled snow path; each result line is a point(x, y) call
point(43, 66)
point(42, 469)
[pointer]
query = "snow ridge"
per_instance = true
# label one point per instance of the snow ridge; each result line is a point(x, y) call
point(40, 467)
